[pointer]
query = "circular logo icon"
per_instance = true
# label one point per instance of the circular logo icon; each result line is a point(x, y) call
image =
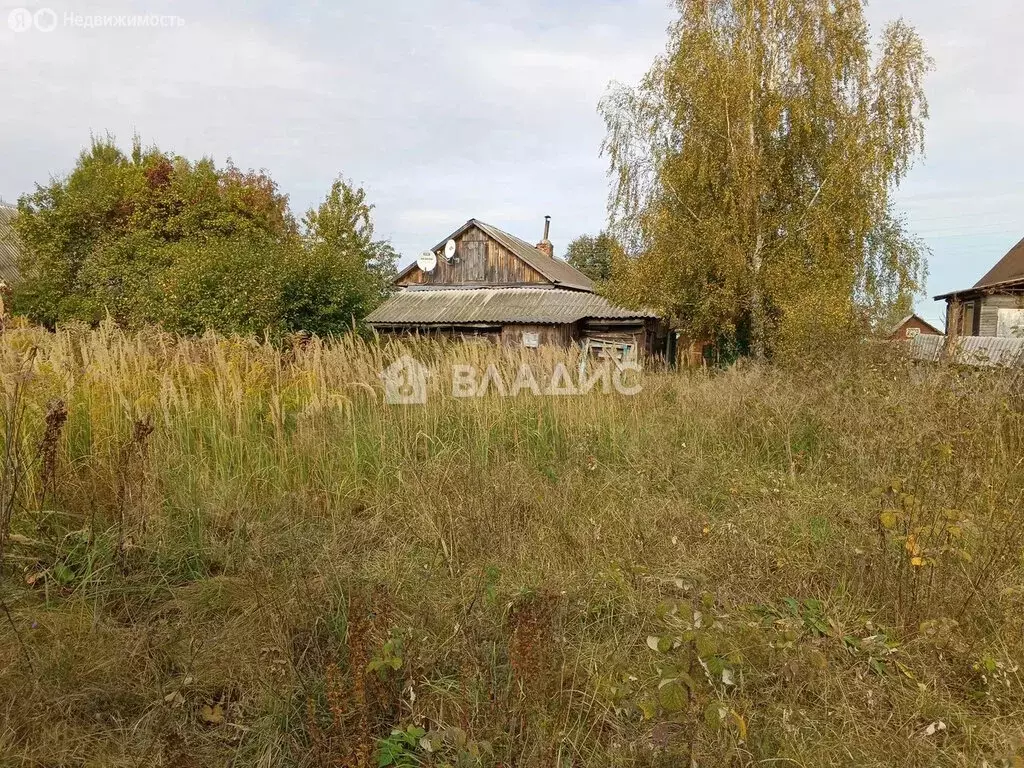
point(45, 20)
point(20, 19)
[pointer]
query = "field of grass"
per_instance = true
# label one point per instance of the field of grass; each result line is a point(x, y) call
point(216, 553)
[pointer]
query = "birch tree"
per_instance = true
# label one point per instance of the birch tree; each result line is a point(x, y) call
point(753, 169)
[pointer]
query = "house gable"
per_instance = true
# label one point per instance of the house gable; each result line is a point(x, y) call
point(486, 256)
point(913, 325)
point(479, 260)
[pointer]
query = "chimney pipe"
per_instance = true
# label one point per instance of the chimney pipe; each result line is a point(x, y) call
point(545, 245)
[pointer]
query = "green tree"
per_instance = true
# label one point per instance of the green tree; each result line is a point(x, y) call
point(153, 238)
point(593, 256)
point(96, 242)
point(226, 284)
point(343, 272)
point(754, 167)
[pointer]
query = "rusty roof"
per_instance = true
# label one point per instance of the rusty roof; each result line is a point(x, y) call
point(10, 248)
point(440, 306)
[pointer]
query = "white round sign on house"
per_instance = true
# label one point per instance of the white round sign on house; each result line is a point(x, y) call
point(449, 249)
point(427, 261)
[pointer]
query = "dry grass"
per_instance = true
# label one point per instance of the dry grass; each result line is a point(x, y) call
point(231, 556)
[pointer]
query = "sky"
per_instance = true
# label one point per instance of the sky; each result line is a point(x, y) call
point(447, 110)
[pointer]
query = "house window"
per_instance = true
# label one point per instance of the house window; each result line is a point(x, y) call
point(912, 332)
point(531, 339)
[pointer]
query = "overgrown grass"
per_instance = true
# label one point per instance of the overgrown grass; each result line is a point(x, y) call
point(227, 555)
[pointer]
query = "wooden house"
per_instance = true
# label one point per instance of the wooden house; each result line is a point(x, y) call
point(911, 326)
point(994, 306)
point(493, 286)
point(10, 248)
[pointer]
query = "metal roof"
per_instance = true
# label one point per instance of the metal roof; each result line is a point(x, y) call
point(10, 248)
point(980, 351)
point(497, 305)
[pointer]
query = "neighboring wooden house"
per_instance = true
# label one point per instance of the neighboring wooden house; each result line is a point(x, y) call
point(497, 287)
point(995, 305)
point(10, 248)
point(911, 326)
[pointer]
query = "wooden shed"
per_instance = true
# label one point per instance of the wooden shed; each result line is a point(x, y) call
point(994, 306)
point(500, 288)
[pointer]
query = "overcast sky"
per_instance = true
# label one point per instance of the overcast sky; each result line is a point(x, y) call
point(451, 109)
